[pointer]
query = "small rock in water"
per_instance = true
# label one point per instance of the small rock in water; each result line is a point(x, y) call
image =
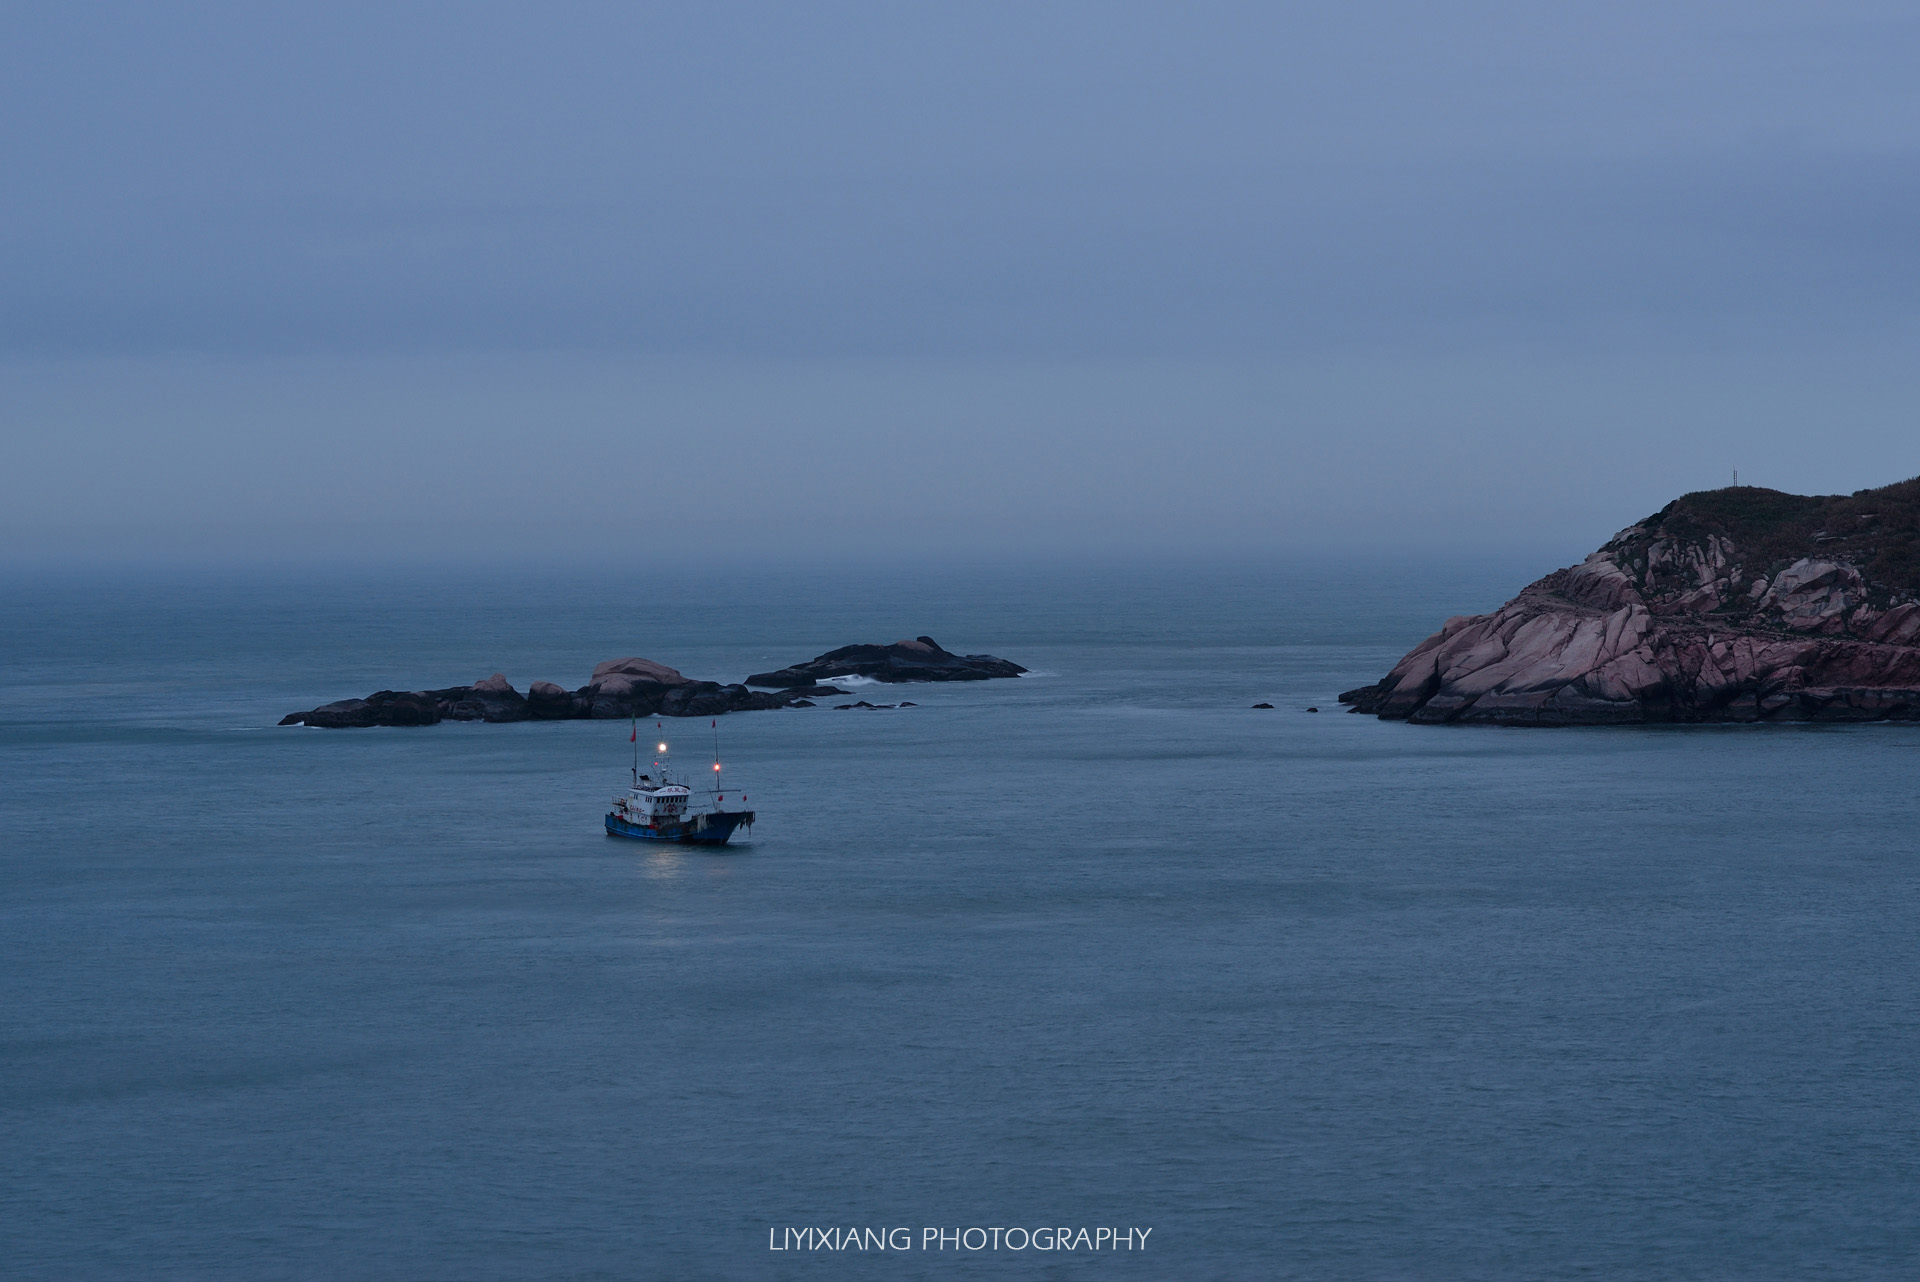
point(549, 702)
point(1313, 709)
point(905, 704)
point(919, 659)
point(1267, 706)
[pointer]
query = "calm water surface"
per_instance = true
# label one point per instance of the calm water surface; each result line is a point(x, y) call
point(1309, 995)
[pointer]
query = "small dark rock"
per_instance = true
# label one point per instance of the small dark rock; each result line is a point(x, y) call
point(549, 702)
point(489, 700)
point(383, 708)
point(921, 659)
point(1267, 706)
point(1313, 709)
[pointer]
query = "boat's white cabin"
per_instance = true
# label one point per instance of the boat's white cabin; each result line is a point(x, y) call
point(650, 803)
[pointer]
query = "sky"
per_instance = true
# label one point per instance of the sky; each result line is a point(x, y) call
point(576, 282)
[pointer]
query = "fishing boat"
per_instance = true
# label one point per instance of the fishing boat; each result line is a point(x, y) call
point(658, 808)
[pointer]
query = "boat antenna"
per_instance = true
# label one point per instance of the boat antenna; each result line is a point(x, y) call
point(634, 739)
point(715, 723)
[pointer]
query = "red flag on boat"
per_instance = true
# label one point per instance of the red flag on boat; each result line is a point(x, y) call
point(635, 736)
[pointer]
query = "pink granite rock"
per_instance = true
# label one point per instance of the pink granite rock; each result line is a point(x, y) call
point(1679, 619)
point(636, 670)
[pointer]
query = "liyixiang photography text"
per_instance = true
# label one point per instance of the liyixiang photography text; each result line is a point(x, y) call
point(989, 1238)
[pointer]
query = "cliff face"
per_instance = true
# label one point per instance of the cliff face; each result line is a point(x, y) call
point(1727, 605)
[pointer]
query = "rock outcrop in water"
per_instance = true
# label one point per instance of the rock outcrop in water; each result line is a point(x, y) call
point(1741, 604)
point(921, 659)
point(619, 688)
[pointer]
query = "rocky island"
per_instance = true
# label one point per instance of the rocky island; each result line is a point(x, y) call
point(622, 688)
point(920, 659)
point(1742, 604)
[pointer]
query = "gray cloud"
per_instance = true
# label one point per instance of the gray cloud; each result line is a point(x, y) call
point(1507, 225)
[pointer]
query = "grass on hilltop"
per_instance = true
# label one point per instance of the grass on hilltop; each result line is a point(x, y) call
point(1878, 530)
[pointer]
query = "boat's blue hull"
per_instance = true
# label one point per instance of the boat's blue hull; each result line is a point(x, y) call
point(699, 830)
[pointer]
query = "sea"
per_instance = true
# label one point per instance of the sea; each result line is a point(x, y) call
point(1300, 994)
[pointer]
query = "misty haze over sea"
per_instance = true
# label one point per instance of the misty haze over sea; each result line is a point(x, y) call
point(387, 283)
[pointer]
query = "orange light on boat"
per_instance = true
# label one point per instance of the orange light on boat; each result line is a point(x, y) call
point(716, 765)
